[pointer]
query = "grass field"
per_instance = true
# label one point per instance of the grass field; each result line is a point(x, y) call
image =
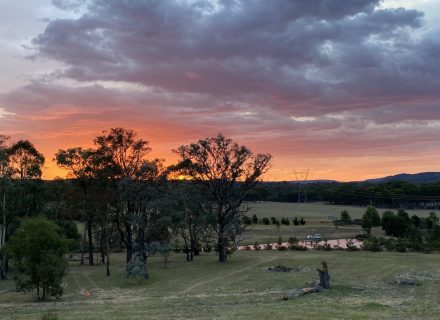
point(312, 211)
point(315, 215)
point(363, 282)
point(363, 287)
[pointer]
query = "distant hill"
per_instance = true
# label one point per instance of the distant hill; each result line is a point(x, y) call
point(416, 178)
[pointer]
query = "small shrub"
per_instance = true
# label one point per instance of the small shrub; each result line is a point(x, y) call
point(295, 221)
point(292, 241)
point(302, 221)
point(285, 221)
point(390, 244)
point(372, 244)
point(257, 246)
point(254, 219)
point(345, 217)
point(265, 221)
point(247, 220)
point(280, 241)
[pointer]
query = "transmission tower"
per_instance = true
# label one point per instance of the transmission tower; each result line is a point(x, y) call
point(301, 181)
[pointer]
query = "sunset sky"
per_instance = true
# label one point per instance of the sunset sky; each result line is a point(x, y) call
point(347, 89)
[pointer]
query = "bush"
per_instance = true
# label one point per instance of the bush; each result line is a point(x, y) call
point(372, 244)
point(247, 220)
point(345, 217)
point(295, 221)
point(401, 245)
point(280, 241)
point(390, 244)
point(38, 251)
point(265, 221)
point(292, 241)
point(302, 221)
point(254, 219)
point(285, 221)
point(370, 219)
point(396, 225)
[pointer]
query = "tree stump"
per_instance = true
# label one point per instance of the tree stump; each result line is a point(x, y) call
point(324, 276)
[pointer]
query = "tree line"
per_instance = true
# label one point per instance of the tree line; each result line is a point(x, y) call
point(116, 198)
point(393, 194)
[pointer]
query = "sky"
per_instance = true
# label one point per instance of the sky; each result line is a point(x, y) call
point(348, 90)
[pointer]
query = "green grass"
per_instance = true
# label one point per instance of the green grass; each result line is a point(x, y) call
point(362, 288)
point(312, 211)
point(315, 215)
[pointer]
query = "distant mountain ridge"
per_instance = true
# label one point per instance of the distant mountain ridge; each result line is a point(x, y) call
point(416, 178)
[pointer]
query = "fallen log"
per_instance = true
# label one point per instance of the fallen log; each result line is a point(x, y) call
point(300, 292)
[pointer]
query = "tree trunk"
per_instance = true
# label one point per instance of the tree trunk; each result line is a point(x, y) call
point(143, 251)
point(107, 250)
point(2, 267)
point(129, 236)
point(3, 240)
point(90, 238)
point(222, 257)
point(83, 247)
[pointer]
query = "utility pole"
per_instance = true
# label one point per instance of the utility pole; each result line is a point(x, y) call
point(301, 181)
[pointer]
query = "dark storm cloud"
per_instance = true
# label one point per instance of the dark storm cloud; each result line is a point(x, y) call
point(288, 50)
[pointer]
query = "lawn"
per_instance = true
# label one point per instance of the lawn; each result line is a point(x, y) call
point(363, 287)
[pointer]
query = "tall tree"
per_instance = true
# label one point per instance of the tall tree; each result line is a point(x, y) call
point(3, 177)
point(20, 169)
point(123, 156)
point(229, 171)
point(25, 162)
point(191, 219)
point(82, 165)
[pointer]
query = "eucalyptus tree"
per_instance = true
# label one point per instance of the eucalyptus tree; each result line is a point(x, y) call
point(228, 171)
point(139, 184)
point(82, 167)
point(22, 190)
point(192, 216)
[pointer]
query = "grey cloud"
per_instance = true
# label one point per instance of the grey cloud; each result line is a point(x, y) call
point(242, 48)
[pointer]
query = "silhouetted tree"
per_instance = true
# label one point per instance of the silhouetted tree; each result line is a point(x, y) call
point(228, 171)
